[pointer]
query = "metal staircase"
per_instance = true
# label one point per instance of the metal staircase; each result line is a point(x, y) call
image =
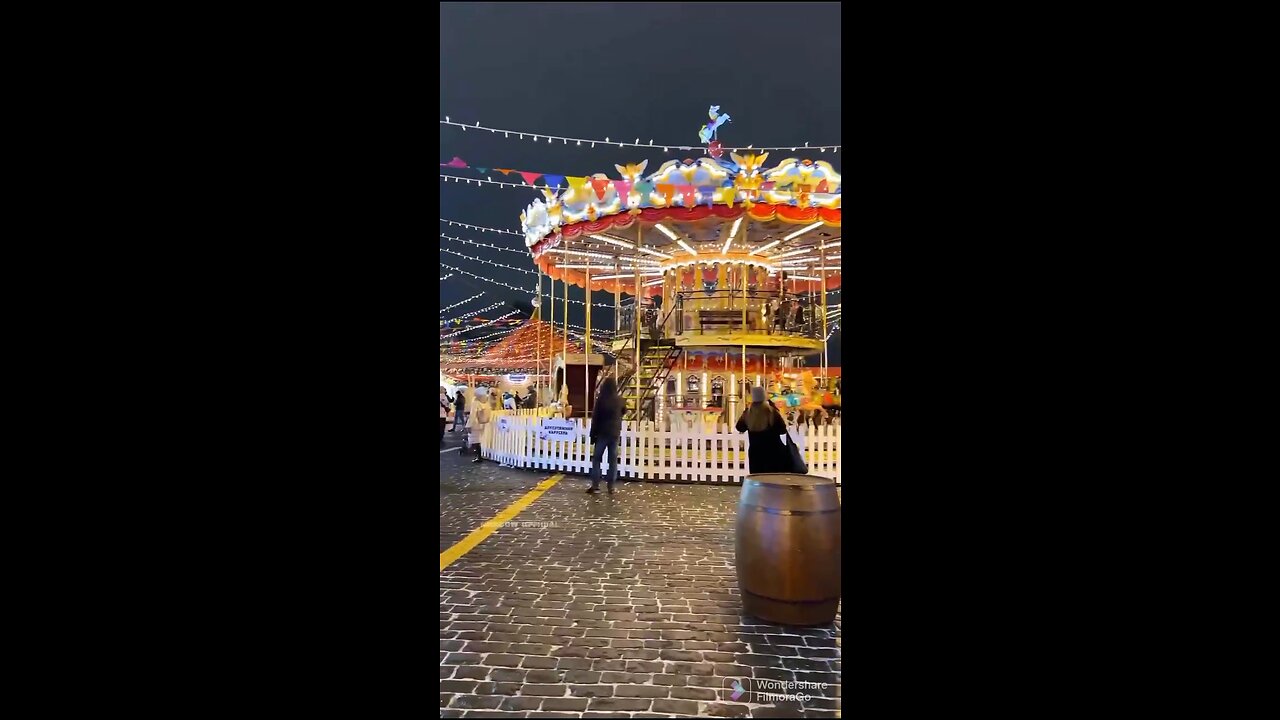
point(657, 357)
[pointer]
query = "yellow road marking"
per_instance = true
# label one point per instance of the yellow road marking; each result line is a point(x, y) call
point(464, 546)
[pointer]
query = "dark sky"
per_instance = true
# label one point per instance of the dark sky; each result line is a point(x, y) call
point(621, 70)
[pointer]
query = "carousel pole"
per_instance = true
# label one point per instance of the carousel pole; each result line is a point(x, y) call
point(744, 324)
point(537, 361)
point(586, 350)
point(551, 339)
point(822, 262)
point(635, 315)
point(565, 322)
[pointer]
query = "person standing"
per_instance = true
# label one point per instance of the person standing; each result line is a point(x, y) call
point(475, 426)
point(764, 427)
point(606, 430)
point(444, 412)
point(459, 410)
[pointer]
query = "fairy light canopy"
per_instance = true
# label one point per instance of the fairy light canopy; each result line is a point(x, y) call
point(739, 210)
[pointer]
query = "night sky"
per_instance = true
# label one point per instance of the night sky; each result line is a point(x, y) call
point(621, 70)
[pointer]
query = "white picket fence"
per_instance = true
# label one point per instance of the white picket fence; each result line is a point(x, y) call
point(706, 455)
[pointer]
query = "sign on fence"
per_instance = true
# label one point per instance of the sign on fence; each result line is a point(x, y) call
point(504, 423)
point(557, 430)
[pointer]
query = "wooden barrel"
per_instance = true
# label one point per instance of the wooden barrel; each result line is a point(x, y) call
point(788, 548)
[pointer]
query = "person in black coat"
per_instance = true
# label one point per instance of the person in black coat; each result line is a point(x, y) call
point(606, 429)
point(764, 427)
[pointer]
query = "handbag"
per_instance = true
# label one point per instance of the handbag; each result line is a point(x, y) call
point(798, 465)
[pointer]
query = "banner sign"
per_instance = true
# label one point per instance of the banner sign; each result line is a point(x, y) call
point(517, 378)
point(504, 423)
point(558, 430)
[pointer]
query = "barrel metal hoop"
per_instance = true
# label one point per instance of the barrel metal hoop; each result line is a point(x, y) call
point(802, 488)
point(790, 602)
point(776, 511)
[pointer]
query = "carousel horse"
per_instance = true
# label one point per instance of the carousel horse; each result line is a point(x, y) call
point(708, 131)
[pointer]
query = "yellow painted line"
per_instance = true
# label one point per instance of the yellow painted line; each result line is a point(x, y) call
point(465, 545)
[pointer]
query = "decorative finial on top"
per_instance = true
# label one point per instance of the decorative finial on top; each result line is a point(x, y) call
point(708, 131)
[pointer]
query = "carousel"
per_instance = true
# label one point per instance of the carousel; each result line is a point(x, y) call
point(719, 267)
point(720, 270)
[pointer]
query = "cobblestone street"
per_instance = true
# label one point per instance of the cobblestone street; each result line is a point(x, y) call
point(610, 606)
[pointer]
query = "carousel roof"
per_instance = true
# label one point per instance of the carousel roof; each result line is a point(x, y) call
point(689, 213)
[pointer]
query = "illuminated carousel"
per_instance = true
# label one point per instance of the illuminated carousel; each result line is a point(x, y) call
point(719, 270)
point(729, 258)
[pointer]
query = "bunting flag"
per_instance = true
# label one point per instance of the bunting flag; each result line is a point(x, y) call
point(554, 181)
point(623, 187)
point(687, 192)
point(822, 187)
point(708, 194)
point(456, 162)
point(577, 184)
point(481, 170)
point(529, 177)
point(644, 187)
point(600, 185)
point(667, 189)
point(505, 171)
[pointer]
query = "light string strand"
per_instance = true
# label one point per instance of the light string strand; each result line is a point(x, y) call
point(477, 327)
point(665, 147)
point(524, 252)
point(460, 302)
point(482, 228)
point(487, 262)
point(473, 313)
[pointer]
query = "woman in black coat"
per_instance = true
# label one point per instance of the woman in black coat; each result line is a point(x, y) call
point(766, 452)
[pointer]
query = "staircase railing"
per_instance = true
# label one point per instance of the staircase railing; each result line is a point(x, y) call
point(628, 344)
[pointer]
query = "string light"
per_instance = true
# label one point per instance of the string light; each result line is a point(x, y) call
point(507, 133)
point(482, 228)
point(473, 313)
point(480, 244)
point(513, 287)
point(487, 262)
point(455, 178)
point(477, 327)
point(446, 277)
point(463, 302)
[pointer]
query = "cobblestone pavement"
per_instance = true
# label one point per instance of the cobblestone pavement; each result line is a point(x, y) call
point(609, 606)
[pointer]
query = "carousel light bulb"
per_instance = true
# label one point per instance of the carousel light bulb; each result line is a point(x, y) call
point(762, 248)
point(685, 245)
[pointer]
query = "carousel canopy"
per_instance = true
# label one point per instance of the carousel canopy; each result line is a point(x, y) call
point(703, 214)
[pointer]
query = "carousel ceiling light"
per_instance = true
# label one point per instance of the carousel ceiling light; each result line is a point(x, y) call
point(663, 229)
point(762, 248)
point(620, 243)
point(798, 233)
point(736, 224)
point(597, 266)
point(727, 242)
point(580, 252)
point(651, 283)
point(792, 253)
point(801, 277)
point(664, 256)
point(685, 245)
point(831, 245)
point(627, 275)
